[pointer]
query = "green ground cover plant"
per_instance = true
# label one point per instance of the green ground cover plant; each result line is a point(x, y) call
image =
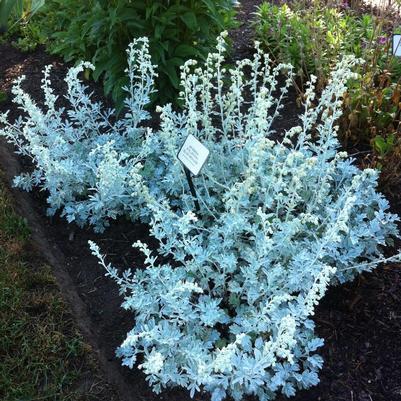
point(25, 34)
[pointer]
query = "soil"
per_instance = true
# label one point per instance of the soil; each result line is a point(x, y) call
point(360, 321)
point(243, 36)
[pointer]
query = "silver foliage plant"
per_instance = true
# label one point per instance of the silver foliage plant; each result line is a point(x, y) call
point(282, 217)
point(83, 155)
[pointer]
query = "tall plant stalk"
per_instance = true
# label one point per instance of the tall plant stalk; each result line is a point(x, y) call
point(19, 8)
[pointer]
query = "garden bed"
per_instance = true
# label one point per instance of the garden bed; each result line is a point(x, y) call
point(360, 322)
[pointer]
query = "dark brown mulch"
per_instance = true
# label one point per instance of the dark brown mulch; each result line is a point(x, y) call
point(243, 36)
point(360, 322)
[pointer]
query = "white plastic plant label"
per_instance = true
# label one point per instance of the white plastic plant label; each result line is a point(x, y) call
point(396, 45)
point(193, 154)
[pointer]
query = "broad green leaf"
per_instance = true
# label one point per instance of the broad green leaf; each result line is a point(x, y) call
point(189, 20)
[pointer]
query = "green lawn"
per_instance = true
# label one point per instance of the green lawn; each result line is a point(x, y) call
point(42, 356)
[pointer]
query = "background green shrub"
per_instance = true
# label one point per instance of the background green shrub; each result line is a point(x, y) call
point(313, 36)
point(17, 10)
point(100, 30)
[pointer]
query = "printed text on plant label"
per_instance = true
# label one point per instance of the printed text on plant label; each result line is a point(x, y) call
point(193, 154)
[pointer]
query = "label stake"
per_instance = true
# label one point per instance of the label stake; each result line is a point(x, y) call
point(192, 189)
